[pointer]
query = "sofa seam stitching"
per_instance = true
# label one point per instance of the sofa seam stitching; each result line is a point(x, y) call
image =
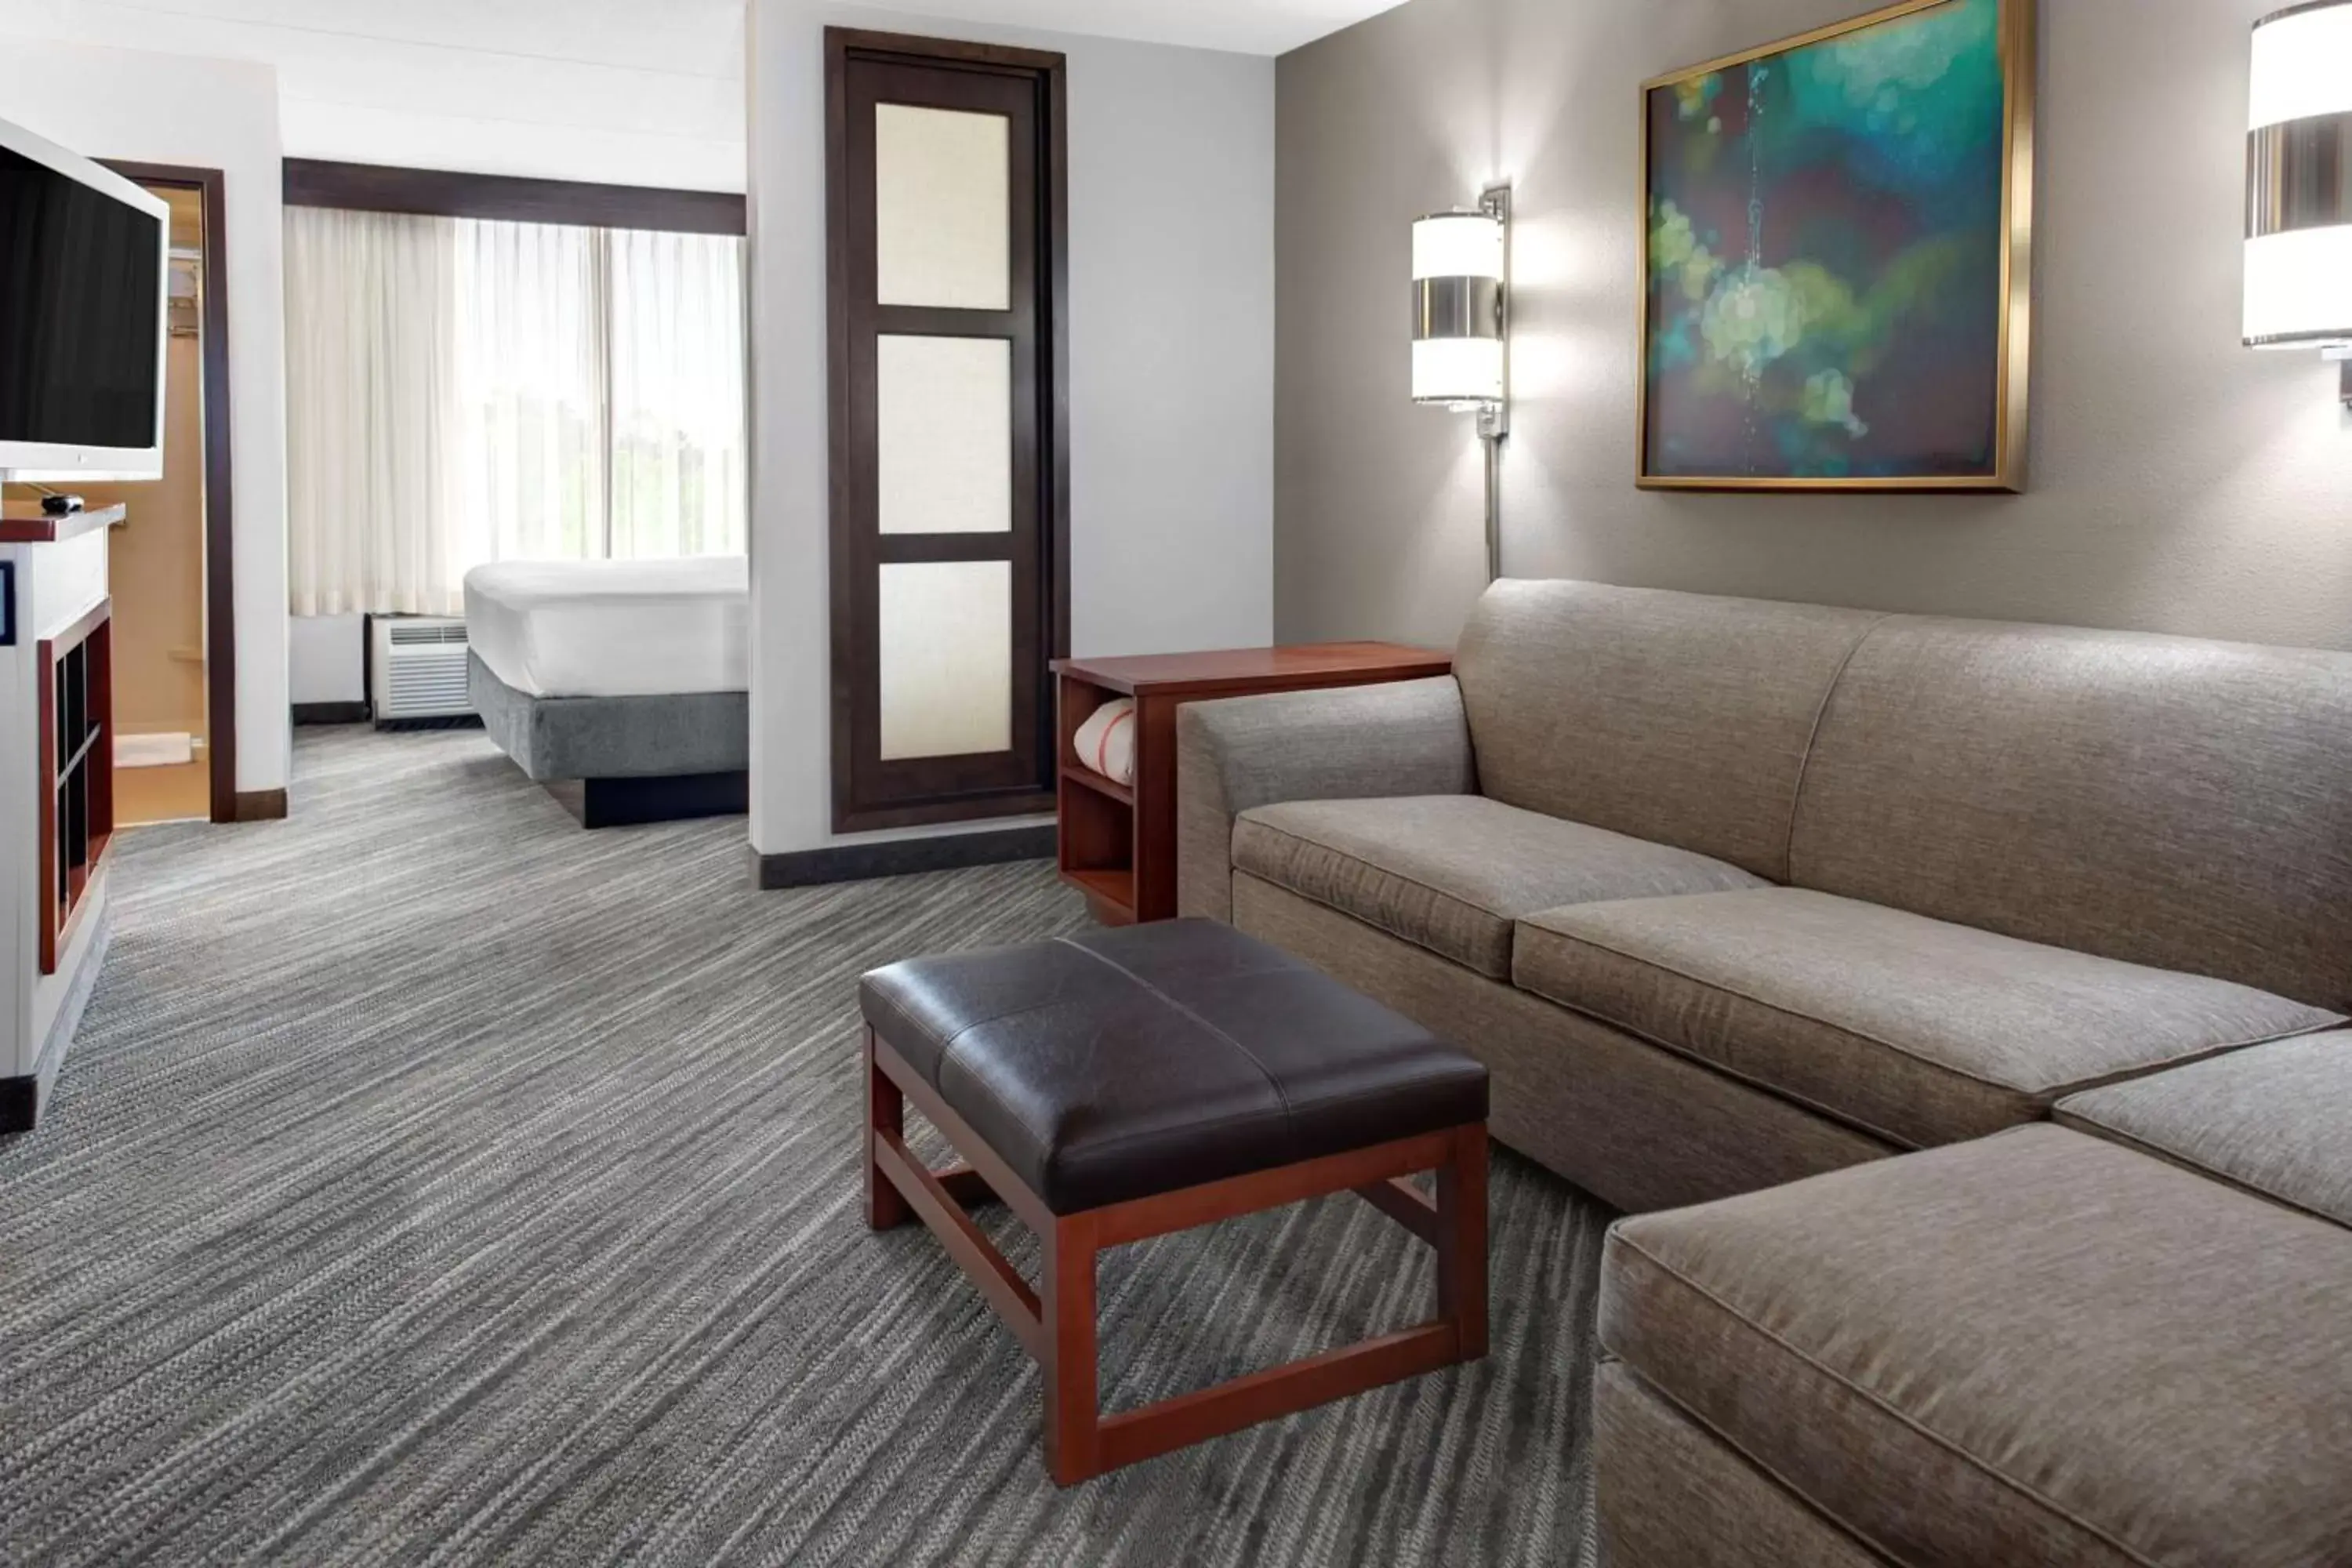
point(1872, 1397)
point(1812, 737)
point(2075, 1122)
point(1409, 881)
point(2133, 1075)
point(1845, 1120)
point(1897, 1142)
point(2120, 1075)
point(1509, 919)
point(1785, 1012)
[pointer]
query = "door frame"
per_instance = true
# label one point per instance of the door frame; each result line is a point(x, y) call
point(1048, 69)
point(220, 533)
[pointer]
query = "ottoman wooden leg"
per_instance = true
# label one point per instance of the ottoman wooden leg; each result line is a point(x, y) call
point(1462, 1241)
point(885, 1112)
point(1073, 1412)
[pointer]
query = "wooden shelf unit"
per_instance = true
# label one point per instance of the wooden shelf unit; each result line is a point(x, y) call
point(75, 671)
point(1118, 843)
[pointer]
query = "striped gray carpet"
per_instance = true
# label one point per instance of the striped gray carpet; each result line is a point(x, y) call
point(435, 1183)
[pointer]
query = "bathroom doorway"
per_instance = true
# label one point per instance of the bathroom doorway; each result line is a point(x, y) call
point(168, 561)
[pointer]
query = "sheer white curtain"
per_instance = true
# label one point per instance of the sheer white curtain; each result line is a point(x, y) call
point(680, 458)
point(531, 377)
point(462, 391)
point(371, 411)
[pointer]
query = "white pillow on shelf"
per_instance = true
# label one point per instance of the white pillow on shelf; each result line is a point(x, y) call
point(1106, 741)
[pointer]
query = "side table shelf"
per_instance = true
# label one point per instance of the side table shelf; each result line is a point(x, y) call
point(1118, 842)
point(75, 676)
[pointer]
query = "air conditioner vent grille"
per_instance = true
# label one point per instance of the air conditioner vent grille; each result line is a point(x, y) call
point(420, 668)
point(416, 634)
point(428, 686)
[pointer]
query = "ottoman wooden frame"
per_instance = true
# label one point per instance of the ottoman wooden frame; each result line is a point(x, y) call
point(1056, 1325)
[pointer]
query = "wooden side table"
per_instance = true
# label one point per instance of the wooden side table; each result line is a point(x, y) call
point(1118, 842)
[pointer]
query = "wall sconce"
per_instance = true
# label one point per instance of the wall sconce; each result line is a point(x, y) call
point(1460, 330)
point(2299, 183)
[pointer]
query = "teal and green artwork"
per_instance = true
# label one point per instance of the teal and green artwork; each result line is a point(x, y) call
point(1830, 257)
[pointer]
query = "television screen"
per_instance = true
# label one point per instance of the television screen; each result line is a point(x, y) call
point(80, 311)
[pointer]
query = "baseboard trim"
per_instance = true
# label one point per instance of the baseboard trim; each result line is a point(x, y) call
point(904, 857)
point(330, 713)
point(22, 1099)
point(256, 805)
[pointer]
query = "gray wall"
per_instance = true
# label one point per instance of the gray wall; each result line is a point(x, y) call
point(1171, 369)
point(2179, 482)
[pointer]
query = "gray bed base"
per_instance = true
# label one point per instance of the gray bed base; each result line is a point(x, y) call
point(618, 760)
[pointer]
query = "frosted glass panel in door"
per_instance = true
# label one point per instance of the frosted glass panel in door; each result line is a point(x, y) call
point(942, 206)
point(946, 672)
point(943, 434)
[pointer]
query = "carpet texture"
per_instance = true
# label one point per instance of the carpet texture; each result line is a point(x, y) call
point(434, 1182)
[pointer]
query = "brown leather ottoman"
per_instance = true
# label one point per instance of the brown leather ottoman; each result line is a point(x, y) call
point(1123, 1084)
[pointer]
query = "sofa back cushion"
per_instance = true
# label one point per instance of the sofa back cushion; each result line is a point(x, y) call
point(1671, 717)
point(2164, 801)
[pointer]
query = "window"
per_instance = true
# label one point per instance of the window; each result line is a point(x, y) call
point(465, 390)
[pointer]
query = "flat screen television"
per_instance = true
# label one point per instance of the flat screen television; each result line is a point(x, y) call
point(83, 271)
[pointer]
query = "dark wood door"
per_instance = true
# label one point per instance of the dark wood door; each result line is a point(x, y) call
point(949, 421)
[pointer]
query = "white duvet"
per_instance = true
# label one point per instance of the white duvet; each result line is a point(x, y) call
point(613, 628)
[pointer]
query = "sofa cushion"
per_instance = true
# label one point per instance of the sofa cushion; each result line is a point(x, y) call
point(2159, 800)
point(1636, 1127)
point(2036, 1347)
point(1677, 717)
point(2271, 1119)
point(1916, 1030)
point(1450, 872)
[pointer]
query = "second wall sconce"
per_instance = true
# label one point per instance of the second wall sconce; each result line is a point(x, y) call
point(1460, 330)
point(2299, 183)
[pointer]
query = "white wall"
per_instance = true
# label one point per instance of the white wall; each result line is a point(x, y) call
point(1172, 302)
point(2179, 482)
point(634, 92)
point(328, 659)
point(213, 114)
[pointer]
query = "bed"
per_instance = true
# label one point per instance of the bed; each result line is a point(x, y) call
point(622, 686)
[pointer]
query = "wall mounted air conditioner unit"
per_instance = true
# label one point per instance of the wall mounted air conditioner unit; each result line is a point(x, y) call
point(417, 669)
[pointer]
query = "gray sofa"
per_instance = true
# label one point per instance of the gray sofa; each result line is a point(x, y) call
point(1738, 900)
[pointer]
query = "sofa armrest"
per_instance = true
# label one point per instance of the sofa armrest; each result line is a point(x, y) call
point(1352, 743)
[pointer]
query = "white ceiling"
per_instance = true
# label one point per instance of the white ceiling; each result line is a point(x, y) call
point(1248, 26)
point(645, 92)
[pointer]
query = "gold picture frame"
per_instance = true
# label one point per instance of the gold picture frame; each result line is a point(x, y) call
point(2017, 35)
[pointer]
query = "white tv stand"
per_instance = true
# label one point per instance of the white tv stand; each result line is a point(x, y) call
point(57, 807)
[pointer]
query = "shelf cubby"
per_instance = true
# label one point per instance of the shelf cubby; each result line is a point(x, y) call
point(75, 671)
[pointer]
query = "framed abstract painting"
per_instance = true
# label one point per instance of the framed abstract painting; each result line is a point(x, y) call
point(1836, 245)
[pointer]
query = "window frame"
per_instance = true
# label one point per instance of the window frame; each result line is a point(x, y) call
point(444, 193)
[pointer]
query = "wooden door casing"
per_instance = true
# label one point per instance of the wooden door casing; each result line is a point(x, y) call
point(1025, 87)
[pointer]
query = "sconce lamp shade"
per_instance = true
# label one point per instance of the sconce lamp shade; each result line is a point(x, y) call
point(1458, 261)
point(1457, 245)
point(2299, 180)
